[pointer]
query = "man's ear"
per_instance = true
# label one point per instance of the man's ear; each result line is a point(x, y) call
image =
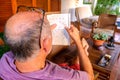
point(46, 45)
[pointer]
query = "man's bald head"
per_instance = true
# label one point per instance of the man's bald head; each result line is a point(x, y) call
point(22, 33)
point(19, 23)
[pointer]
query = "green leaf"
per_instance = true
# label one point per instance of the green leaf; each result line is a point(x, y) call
point(102, 7)
point(3, 48)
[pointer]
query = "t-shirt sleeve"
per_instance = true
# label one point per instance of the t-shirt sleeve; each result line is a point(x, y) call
point(63, 73)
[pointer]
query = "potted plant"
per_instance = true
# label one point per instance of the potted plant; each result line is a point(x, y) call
point(99, 38)
point(3, 46)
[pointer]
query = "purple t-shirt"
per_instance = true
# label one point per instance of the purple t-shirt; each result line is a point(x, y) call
point(51, 71)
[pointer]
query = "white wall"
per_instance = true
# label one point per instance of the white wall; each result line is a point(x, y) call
point(68, 4)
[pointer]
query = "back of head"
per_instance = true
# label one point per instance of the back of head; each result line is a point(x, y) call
point(22, 33)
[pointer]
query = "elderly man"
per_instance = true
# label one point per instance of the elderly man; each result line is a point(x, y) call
point(30, 44)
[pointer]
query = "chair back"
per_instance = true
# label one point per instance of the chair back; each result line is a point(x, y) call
point(106, 20)
point(83, 12)
point(106, 24)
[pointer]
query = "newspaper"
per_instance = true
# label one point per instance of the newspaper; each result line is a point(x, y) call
point(59, 34)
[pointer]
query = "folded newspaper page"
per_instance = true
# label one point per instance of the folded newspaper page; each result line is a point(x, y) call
point(59, 34)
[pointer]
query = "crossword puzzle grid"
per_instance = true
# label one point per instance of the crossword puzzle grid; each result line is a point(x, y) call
point(61, 20)
point(59, 34)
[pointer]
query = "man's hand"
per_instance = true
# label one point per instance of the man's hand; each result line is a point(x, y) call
point(74, 33)
point(85, 46)
point(53, 26)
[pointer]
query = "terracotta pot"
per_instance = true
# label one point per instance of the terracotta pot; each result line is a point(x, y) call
point(98, 42)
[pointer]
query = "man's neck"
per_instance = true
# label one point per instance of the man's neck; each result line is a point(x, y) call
point(30, 65)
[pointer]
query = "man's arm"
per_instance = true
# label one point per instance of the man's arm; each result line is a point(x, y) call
point(83, 58)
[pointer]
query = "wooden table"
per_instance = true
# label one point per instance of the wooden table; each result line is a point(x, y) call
point(95, 56)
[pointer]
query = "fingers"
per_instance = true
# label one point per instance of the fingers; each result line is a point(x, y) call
point(71, 29)
point(74, 33)
point(85, 44)
point(53, 26)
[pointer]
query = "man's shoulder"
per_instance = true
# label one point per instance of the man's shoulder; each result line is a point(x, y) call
point(7, 55)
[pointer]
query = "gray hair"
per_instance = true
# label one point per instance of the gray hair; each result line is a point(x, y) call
point(26, 45)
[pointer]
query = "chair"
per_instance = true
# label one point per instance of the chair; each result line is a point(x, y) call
point(83, 12)
point(105, 24)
